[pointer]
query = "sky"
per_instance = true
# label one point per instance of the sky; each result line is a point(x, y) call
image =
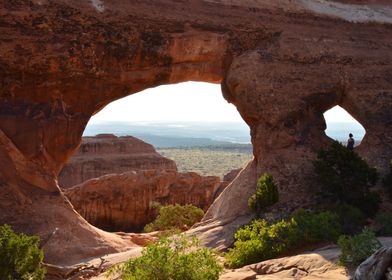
point(190, 101)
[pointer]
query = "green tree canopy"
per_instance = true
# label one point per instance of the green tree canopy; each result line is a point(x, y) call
point(20, 256)
point(346, 177)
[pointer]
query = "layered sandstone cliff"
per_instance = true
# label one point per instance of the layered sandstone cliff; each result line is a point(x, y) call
point(121, 202)
point(282, 63)
point(108, 154)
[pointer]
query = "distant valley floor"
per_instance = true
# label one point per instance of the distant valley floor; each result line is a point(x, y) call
point(213, 160)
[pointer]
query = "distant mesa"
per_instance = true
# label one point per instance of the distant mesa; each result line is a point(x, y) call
point(104, 136)
point(107, 154)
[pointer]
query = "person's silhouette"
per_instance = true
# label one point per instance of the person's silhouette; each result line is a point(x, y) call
point(350, 142)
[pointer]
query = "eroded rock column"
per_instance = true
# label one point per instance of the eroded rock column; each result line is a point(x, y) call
point(283, 103)
point(35, 140)
point(282, 96)
point(369, 100)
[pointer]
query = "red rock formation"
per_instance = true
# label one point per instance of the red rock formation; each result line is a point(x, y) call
point(108, 154)
point(282, 63)
point(122, 201)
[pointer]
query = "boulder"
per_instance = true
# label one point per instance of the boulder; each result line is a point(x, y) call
point(377, 267)
point(316, 265)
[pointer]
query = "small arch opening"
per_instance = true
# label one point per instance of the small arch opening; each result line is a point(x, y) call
point(340, 124)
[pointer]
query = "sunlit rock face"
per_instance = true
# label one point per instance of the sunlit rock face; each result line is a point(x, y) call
point(107, 154)
point(282, 63)
point(127, 176)
point(122, 202)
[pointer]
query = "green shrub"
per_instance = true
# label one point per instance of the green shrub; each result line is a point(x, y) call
point(387, 182)
point(317, 226)
point(384, 224)
point(175, 217)
point(20, 256)
point(171, 260)
point(284, 236)
point(266, 195)
point(261, 241)
point(252, 203)
point(357, 248)
point(369, 203)
point(345, 177)
point(350, 218)
point(255, 242)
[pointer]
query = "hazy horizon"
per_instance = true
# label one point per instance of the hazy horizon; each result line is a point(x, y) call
point(162, 133)
point(192, 110)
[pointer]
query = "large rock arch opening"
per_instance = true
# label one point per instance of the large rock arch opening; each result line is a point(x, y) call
point(62, 62)
point(172, 144)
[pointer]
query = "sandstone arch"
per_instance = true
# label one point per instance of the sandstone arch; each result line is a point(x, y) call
point(282, 63)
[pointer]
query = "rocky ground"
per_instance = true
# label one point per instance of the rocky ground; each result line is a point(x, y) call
point(310, 265)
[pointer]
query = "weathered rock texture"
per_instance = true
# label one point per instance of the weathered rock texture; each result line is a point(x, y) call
point(122, 201)
point(227, 179)
point(107, 154)
point(376, 267)
point(320, 264)
point(282, 63)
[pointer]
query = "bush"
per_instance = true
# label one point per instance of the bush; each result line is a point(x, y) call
point(369, 203)
point(350, 218)
point(345, 177)
point(175, 260)
point(387, 182)
point(384, 224)
point(317, 226)
point(357, 248)
point(175, 217)
point(266, 195)
point(255, 242)
point(20, 256)
point(261, 241)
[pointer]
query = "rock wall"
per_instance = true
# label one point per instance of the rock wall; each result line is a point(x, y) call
point(121, 202)
point(227, 179)
point(282, 63)
point(107, 154)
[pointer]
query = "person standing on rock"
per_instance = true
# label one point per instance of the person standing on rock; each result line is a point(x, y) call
point(350, 142)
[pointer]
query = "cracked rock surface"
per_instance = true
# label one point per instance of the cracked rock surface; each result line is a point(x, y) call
point(311, 266)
